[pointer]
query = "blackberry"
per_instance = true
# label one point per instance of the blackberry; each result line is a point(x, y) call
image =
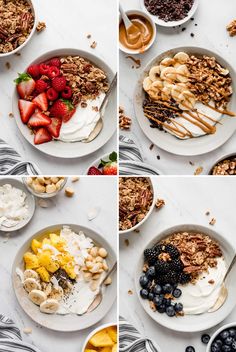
point(150, 256)
point(158, 248)
point(184, 278)
point(172, 251)
point(162, 267)
point(169, 278)
point(176, 265)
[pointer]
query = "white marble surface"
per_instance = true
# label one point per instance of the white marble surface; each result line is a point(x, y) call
point(187, 200)
point(68, 23)
point(89, 193)
point(211, 17)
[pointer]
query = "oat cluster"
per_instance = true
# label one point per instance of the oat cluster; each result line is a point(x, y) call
point(225, 167)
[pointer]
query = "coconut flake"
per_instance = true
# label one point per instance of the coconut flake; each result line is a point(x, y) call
point(93, 213)
point(20, 274)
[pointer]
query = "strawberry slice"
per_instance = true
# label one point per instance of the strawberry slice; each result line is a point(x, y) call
point(93, 171)
point(27, 109)
point(62, 108)
point(41, 101)
point(25, 85)
point(42, 136)
point(39, 119)
point(55, 127)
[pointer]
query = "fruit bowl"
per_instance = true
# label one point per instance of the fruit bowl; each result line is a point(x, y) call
point(105, 165)
point(231, 327)
point(57, 147)
point(95, 331)
point(197, 322)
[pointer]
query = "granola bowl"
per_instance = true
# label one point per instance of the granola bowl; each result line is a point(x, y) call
point(156, 100)
point(28, 19)
point(62, 317)
point(225, 165)
point(139, 191)
point(183, 304)
point(56, 122)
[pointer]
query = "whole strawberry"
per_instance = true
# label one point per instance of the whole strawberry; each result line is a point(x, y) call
point(94, 171)
point(63, 109)
point(25, 85)
point(110, 166)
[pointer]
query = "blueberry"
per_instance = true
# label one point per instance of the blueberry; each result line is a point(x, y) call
point(215, 348)
point(224, 334)
point(177, 293)
point(151, 272)
point(157, 300)
point(167, 288)
point(218, 343)
point(232, 332)
point(225, 348)
point(233, 346)
point(144, 293)
point(190, 349)
point(228, 341)
point(143, 281)
point(150, 296)
point(167, 302)
point(170, 311)
point(178, 307)
point(161, 308)
point(157, 290)
point(205, 339)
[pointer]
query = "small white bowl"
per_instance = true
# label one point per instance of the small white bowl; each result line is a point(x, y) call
point(43, 195)
point(227, 156)
point(97, 162)
point(148, 213)
point(104, 326)
point(30, 201)
point(162, 23)
point(149, 18)
point(30, 35)
point(226, 326)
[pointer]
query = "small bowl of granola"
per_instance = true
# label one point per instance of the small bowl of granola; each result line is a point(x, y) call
point(179, 276)
point(44, 187)
point(136, 202)
point(225, 166)
point(18, 24)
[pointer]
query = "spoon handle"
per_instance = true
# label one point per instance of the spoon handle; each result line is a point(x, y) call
point(125, 18)
point(113, 83)
point(230, 267)
point(114, 267)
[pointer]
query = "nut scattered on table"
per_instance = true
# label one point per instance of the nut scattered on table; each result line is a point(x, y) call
point(124, 121)
point(40, 27)
point(159, 203)
point(69, 192)
point(231, 28)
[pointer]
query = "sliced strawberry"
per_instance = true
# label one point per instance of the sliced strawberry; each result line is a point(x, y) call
point(39, 120)
point(55, 126)
point(25, 85)
point(110, 169)
point(27, 109)
point(41, 101)
point(42, 136)
point(94, 171)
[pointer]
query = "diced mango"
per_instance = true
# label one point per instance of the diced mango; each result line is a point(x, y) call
point(44, 274)
point(35, 245)
point(46, 241)
point(101, 339)
point(89, 350)
point(64, 258)
point(105, 349)
point(112, 332)
point(52, 266)
point(57, 242)
point(114, 348)
point(69, 269)
point(44, 258)
point(31, 261)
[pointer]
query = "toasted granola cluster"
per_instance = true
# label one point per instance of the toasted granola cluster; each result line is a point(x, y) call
point(124, 121)
point(16, 23)
point(198, 252)
point(135, 200)
point(86, 80)
point(209, 81)
point(225, 167)
point(231, 28)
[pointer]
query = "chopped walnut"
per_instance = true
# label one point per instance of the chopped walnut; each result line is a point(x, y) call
point(130, 292)
point(159, 203)
point(124, 121)
point(93, 45)
point(212, 222)
point(225, 167)
point(231, 28)
point(40, 27)
point(198, 170)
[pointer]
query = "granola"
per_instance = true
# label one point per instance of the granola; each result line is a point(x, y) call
point(135, 200)
point(124, 121)
point(16, 24)
point(231, 28)
point(225, 167)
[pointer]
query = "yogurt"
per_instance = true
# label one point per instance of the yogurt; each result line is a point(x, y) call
point(13, 207)
point(83, 122)
point(198, 298)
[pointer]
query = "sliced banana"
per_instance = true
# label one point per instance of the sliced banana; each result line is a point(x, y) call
point(177, 64)
point(181, 57)
point(186, 103)
point(182, 73)
point(156, 85)
point(165, 95)
point(31, 274)
point(50, 306)
point(169, 74)
point(154, 73)
point(57, 293)
point(147, 83)
point(37, 297)
point(176, 90)
point(154, 94)
point(47, 288)
point(31, 284)
point(168, 86)
point(168, 61)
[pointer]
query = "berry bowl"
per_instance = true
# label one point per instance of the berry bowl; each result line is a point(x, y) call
point(226, 333)
point(167, 281)
point(51, 109)
point(105, 165)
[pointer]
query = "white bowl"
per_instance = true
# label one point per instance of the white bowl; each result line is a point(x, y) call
point(97, 162)
point(148, 213)
point(76, 149)
point(43, 195)
point(226, 326)
point(227, 156)
point(149, 18)
point(30, 201)
point(170, 143)
point(70, 322)
point(31, 2)
point(104, 326)
point(191, 323)
point(162, 23)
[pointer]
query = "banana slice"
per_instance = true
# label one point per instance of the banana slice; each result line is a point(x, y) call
point(182, 73)
point(154, 73)
point(47, 288)
point(176, 90)
point(30, 274)
point(147, 83)
point(168, 61)
point(37, 297)
point(168, 86)
point(154, 94)
point(31, 284)
point(181, 57)
point(186, 103)
point(57, 293)
point(169, 74)
point(49, 306)
point(177, 64)
point(156, 85)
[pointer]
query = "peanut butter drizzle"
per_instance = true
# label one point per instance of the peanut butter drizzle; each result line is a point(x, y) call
point(224, 112)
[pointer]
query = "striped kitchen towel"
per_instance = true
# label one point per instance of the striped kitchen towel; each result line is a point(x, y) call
point(11, 162)
point(131, 161)
point(130, 340)
point(10, 337)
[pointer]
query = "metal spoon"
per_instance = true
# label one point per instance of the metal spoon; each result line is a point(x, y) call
point(99, 124)
point(223, 290)
point(98, 298)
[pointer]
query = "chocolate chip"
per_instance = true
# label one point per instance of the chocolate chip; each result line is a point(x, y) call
point(169, 10)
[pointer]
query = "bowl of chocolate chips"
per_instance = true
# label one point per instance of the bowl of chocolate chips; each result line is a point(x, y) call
point(170, 13)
